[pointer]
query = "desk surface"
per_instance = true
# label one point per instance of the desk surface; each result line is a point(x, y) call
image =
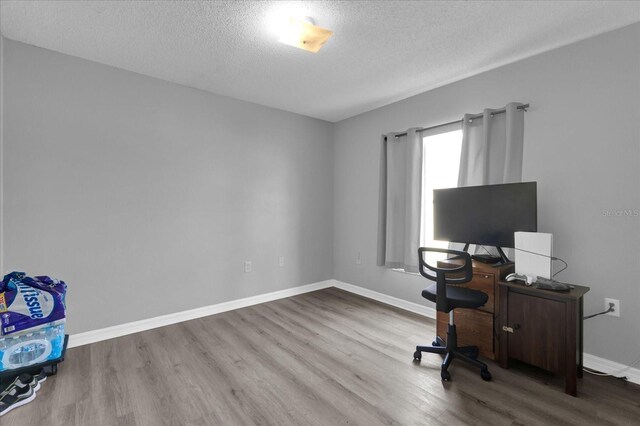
point(575, 293)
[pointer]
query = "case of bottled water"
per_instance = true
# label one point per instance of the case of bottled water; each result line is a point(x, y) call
point(36, 347)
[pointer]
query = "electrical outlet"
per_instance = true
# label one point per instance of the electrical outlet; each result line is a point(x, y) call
point(616, 307)
point(281, 261)
point(247, 266)
point(358, 259)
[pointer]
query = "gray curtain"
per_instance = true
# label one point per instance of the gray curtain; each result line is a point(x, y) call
point(400, 200)
point(492, 147)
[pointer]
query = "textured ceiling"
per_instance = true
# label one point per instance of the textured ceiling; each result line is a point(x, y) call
point(381, 52)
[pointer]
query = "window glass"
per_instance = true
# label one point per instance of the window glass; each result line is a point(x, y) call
point(441, 164)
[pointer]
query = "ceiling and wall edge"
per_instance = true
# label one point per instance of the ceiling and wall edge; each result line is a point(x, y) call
point(374, 58)
point(386, 103)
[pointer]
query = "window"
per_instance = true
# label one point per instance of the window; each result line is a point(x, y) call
point(440, 167)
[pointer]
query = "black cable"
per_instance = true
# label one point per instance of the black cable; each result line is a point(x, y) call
point(566, 265)
point(599, 373)
point(611, 309)
point(614, 373)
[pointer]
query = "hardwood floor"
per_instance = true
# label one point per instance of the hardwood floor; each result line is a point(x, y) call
point(322, 358)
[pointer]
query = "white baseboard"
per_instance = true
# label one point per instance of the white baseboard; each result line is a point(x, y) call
point(389, 300)
point(591, 361)
point(606, 366)
point(150, 323)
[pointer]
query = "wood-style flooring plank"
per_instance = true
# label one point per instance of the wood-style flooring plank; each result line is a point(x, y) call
point(322, 358)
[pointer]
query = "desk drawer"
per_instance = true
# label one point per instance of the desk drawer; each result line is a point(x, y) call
point(484, 283)
point(474, 328)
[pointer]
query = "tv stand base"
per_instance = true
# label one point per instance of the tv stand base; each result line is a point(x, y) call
point(489, 259)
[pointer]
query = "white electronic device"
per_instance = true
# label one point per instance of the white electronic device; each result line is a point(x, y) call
point(533, 254)
point(528, 279)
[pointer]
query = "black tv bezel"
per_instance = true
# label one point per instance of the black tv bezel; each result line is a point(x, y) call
point(495, 243)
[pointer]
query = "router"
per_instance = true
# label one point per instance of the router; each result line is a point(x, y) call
point(534, 252)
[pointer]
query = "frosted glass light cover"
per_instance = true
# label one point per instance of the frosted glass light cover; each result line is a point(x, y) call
point(304, 35)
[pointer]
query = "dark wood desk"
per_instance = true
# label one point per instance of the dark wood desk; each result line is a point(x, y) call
point(542, 328)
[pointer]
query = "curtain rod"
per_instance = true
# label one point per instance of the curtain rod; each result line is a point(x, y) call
point(498, 111)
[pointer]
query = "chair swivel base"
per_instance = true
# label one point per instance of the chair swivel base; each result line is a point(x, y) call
point(468, 354)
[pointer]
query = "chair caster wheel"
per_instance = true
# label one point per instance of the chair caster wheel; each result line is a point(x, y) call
point(435, 343)
point(486, 376)
point(417, 356)
point(445, 376)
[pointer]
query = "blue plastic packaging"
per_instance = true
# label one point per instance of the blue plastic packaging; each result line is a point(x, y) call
point(22, 350)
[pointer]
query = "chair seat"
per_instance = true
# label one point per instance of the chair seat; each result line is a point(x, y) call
point(458, 297)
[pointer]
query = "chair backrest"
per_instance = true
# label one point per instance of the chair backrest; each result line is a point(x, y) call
point(443, 276)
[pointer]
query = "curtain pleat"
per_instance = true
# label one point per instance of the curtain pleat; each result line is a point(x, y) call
point(514, 151)
point(492, 147)
point(400, 200)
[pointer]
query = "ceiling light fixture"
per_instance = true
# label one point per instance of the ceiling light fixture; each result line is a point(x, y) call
point(303, 34)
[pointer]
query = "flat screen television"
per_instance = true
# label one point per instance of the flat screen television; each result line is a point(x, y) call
point(485, 215)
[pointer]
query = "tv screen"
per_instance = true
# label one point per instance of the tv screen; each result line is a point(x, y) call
point(485, 215)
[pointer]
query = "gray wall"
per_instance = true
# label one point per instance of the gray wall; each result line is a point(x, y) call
point(582, 145)
point(147, 197)
point(1, 151)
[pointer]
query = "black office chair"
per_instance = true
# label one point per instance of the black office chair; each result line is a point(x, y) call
point(446, 299)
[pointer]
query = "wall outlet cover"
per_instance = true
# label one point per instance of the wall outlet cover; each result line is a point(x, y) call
point(616, 302)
